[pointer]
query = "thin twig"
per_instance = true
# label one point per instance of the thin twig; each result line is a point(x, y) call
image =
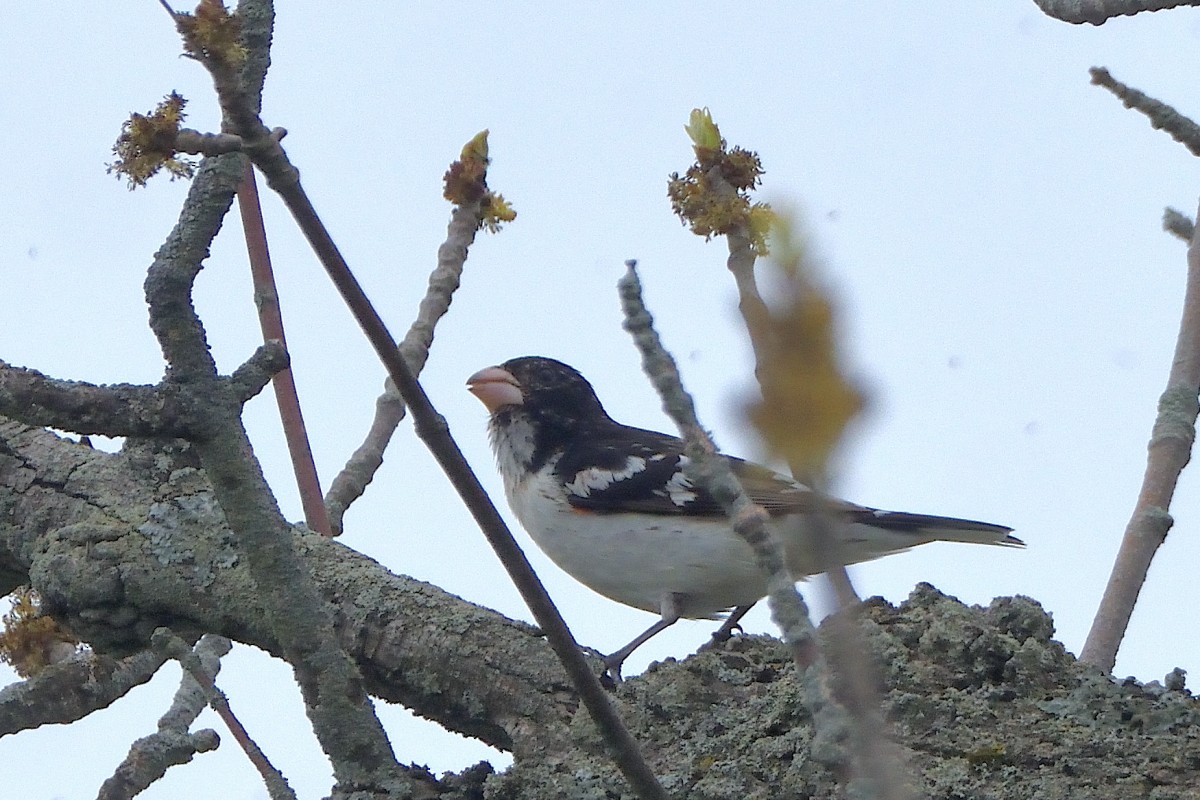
point(756, 315)
point(151, 756)
point(846, 648)
point(1161, 116)
point(270, 318)
point(352, 481)
point(1169, 451)
point(202, 663)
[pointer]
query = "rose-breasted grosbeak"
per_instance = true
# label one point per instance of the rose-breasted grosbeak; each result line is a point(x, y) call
point(612, 506)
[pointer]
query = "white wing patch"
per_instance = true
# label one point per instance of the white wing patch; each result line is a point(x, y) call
point(595, 479)
point(679, 488)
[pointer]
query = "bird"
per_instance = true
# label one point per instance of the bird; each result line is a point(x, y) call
point(614, 507)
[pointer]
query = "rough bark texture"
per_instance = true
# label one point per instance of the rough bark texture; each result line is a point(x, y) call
point(984, 701)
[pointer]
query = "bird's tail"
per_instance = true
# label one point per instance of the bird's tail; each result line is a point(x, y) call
point(929, 528)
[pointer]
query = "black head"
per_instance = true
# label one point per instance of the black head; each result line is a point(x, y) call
point(539, 406)
point(554, 390)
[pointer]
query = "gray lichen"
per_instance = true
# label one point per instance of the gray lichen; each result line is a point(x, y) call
point(983, 701)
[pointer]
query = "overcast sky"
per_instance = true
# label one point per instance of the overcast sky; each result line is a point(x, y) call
point(987, 219)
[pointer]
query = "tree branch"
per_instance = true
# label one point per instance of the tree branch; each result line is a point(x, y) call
point(1176, 223)
point(270, 319)
point(120, 545)
point(115, 410)
point(360, 469)
point(171, 745)
point(253, 376)
point(1097, 12)
point(1169, 451)
point(202, 663)
point(342, 716)
point(72, 689)
point(1161, 116)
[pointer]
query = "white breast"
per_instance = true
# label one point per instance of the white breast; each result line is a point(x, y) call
point(636, 558)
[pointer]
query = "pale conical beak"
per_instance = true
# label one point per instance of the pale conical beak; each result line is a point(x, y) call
point(496, 388)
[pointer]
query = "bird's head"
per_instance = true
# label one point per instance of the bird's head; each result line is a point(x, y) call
point(543, 388)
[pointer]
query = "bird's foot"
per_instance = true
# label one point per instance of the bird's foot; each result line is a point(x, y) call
point(611, 676)
point(731, 625)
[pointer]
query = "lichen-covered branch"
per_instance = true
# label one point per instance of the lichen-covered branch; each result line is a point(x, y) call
point(343, 719)
point(72, 689)
point(202, 663)
point(119, 545)
point(252, 377)
point(122, 544)
point(1097, 12)
point(114, 410)
point(1162, 116)
point(171, 745)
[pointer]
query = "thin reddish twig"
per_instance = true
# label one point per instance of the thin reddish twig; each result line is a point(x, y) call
point(270, 318)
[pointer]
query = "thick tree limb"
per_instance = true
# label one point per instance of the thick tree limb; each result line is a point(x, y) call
point(1097, 12)
point(119, 545)
point(991, 707)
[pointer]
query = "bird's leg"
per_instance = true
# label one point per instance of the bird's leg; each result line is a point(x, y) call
point(725, 632)
point(670, 615)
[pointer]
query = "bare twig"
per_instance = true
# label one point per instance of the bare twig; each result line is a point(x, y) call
point(352, 481)
point(1161, 116)
point(1170, 449)
point(756, 315)
point(151, 756)
point(206, 144)
point(202, 663)
point(879, 773)
point(1176, 223)
point(846, 648)
point(270, 319)
point(1097, 12)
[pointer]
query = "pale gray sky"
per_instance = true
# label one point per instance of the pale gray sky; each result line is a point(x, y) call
point(990, 223)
